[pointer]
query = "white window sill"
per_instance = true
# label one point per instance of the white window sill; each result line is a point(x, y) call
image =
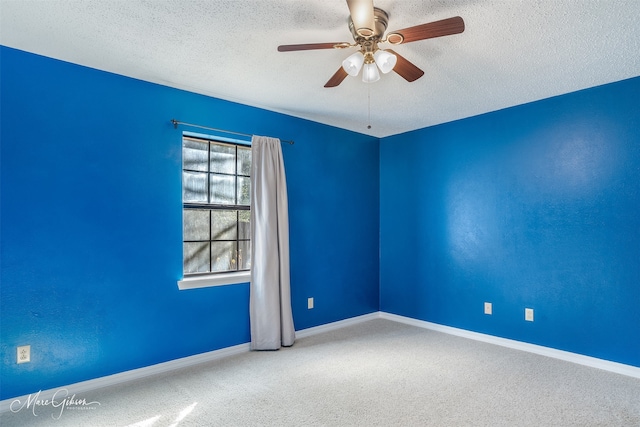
point(214, 280)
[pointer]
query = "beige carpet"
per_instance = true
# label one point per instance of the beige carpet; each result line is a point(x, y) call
point(377, 373)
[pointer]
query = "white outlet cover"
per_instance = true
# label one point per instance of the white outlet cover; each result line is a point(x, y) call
point(528, 314)
point(488, 308)
point(24, 354)
point(309, 303)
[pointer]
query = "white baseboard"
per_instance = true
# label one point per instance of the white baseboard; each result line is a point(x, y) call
point(135, 374)
point(336, 325)
point(593, 362)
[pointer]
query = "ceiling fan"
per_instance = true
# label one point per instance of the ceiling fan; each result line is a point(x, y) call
point(367, 25)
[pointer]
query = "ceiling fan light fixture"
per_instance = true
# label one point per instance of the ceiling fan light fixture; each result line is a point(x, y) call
point(353, 63)
point(385, 60)
point(370, 73)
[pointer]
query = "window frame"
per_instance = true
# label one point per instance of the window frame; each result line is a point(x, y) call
point(221, 278)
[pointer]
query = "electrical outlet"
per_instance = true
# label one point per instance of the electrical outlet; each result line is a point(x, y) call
point(309, 303)
point(24, 354)
point(528, 314)
point(488, 308)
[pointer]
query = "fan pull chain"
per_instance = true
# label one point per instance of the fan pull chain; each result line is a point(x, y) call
point(369, 99)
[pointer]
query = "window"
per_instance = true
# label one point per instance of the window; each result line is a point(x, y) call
point(216, 194)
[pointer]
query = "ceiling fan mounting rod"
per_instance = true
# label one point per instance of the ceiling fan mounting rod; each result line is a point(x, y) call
point(381, 19)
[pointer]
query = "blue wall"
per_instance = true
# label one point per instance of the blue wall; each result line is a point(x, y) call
point(534, 206)
point(91, 224)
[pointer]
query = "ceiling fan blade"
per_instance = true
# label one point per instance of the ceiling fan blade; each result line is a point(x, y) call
point(309, 46)
point(431, 30)
point(362, 16)
point(406, 69)
point(337, 78)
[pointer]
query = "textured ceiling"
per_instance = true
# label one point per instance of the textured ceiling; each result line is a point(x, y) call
point(511, 52)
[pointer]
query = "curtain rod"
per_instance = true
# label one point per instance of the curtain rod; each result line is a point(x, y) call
point(177, 122)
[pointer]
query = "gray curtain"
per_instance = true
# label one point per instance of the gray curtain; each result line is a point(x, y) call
point(270, 296)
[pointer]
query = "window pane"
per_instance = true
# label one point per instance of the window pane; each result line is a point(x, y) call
point(244, 225)
point(244, 191)
point(195, 223)
point(195, 155)
point(223, 256)
point(196, 257)
point(244, 255)
point(218, 238)
point(194, 187)
point(244, 161)
point(224, 225)
point(223, 189)
point(223, 158)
